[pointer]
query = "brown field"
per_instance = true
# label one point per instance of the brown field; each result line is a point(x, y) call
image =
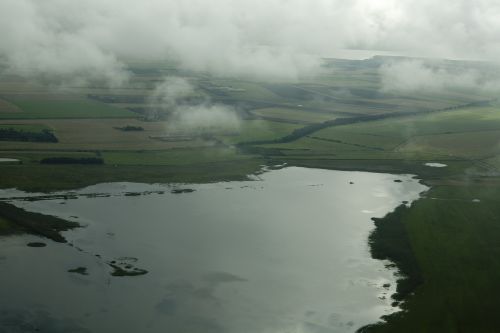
point(99, 134)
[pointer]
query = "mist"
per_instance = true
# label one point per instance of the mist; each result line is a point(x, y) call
point(419, 75)
point(188, 110)
point(167, 95)
point(92, 41)
point(204, 117)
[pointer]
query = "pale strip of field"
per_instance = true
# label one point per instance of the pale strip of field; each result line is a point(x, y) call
point(472, 144)
point(8, 107)
point(43, 95)
point(19, 86)
point(293, 115)
point(100, 134)
point(108, 91)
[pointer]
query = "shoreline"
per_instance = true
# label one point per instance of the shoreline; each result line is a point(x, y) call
point(20, 221)
point(388, 241)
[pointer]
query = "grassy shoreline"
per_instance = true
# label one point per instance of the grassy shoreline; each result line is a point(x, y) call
point(414, 228)
point(18, 220)
point(453, 234)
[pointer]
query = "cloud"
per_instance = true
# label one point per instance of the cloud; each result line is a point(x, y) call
point(205, 117)
point(167, 96)
point(92, 40)
point(36, 43)
point(189, 110)
point(435, 76)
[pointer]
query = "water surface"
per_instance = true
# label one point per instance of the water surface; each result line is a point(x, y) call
point(436, 165)
point(286, 253)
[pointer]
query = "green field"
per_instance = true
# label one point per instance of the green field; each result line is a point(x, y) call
point(175, 157)
point(451, 237)
point(293, 115)
point(256, 130)
point(455, 241)
point(47, 178)
point(25, 127)
point(6, 227)
point(462, 134)
point(78, 108)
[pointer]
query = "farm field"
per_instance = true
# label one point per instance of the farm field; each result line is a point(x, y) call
point(469, 134)
point(24, 127)
point(47, 109)
point(359, 127)
point(98, 134)
point(7, 107)
point(256, 130)
point(293, 115)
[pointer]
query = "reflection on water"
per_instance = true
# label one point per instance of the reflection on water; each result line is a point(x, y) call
point(436, 165)
point(287, 253)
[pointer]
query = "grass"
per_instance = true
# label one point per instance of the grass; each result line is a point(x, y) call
point(390, 241)
point(293, 115)
point(355, 91)
point(35, 128)
point(34, 157)
point(177, 157)
point(244, 90)
point(99, 134)
point(7, 107)
point(46, 178)
point(396, 166)
point(451, 239)
point(471, 145)
point(7, 227)
point(471, 133)
point(252, 130)
point(63, 109)
point(35, 223)
point(317, 146)
point(401, 129)
point(455, 241)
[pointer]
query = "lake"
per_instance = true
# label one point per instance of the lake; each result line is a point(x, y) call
point(286, 252)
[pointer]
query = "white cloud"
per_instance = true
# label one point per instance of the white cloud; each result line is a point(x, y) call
point(187, 110)
point(205, 117)
point(432, 76)
point(91, 39)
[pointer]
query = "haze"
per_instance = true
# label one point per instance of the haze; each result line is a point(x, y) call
point(281, 39)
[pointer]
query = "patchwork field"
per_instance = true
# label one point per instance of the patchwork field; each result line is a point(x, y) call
point(468, 133)
point(297, 116)
point(342, 119)
point(98, 134)
point(58, 108)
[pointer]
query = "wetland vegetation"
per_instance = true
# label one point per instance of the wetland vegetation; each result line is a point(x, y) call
point(17, 220)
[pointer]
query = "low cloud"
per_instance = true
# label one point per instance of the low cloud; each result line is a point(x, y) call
point(167, 96)
point(205, 118)
point(37, 42)
point(93, 40)
point(435, 76)
point(188, 110)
